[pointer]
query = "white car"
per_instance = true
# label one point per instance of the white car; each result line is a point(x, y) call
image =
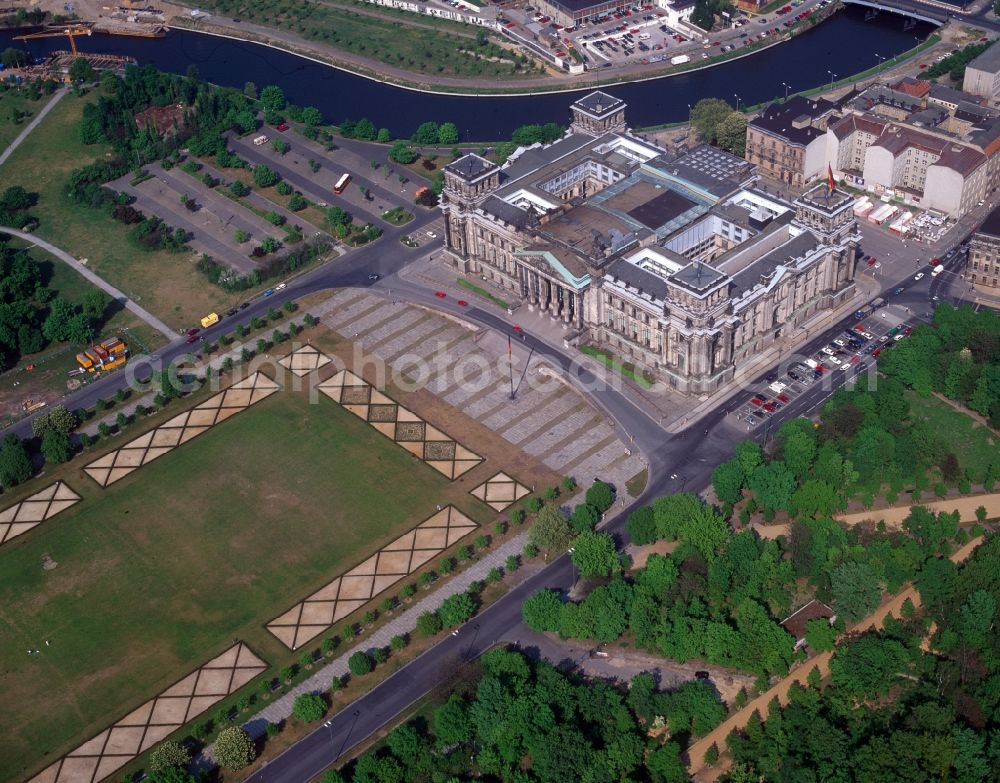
point(834, 360)
point(898, 337)
point(877, 266)
point(840, 342)
point(867, 335)
point(845, 366)
point(432, 235)
point(827, 350)
point(918, 276)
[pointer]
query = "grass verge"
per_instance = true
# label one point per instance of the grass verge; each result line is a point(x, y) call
point(612, 362)
point(478, 291)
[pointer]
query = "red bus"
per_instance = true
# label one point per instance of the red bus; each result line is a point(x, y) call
point(341, 183)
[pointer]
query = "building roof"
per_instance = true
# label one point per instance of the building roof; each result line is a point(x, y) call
point(916, 87)
point(711, 169)
point(759, 271)
point(660, 209)
point(991, 225)
point(638, 278)
point(988, 61)
point(896, 138)
point(792, 120)
point(599, 103)
point(578, 6)
point(795, 623)
point(697, 277)
point(850, 123)
point(508, 213)
point(470, 166)
point(947, 94)
point(530, 160)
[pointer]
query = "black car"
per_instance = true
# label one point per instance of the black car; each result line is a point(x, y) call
point(793, 375)
point(244, 305)
point(771, 377)
point(702, 675)
point(231, 312)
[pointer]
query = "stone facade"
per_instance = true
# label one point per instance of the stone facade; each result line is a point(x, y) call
point(679, 265)
point(983, 262)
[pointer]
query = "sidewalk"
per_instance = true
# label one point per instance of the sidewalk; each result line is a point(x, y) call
point(403, 623)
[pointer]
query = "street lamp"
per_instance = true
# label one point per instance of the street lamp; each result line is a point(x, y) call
point(736, 95)
point(572, 566)
point(785, 85)
point(832, 77)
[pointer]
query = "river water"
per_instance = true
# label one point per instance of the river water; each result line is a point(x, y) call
point(844, 45)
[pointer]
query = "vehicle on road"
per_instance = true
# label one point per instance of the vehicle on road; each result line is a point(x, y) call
point(373, 276)
point(192, 339)
point(517, 328)
point(342, 183)
point(918, 276)
point(432, 235)
point(209, 320)
point(462, 303)
point(193, 331)
point(269, 292)
point(260, 141)
point(440, 294)
point(937, 270)
point(282, 126)
point(244, 305)
point(280, 286)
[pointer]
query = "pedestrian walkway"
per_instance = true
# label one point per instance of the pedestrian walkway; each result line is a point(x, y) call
point(58, 96)
point(400, 625)
point(891, 606)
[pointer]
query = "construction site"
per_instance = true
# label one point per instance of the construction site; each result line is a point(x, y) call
point(59, 62)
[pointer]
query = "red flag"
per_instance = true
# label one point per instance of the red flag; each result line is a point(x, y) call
point(829, 179)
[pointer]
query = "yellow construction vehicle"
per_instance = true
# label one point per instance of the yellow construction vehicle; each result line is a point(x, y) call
point(72, 31)
point(103, 356)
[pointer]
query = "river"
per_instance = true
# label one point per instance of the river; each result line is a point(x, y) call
point(844, 45)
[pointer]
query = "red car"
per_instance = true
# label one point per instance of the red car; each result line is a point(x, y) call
point(462, 303)
point(854, 360)
point(716, 43)
point(859, 327)
point(769, 407)
point(440, 294)
point(193, 332)
point(517, 328)
point(282, 126)
point(784, 397)
point(907, 330)
point(876, 352)
point(757, 401)
point(192, 339)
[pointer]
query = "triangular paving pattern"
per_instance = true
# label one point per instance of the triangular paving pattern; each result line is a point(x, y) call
point(31, 511)
point(180, 429)
point(356, 587)
point(388, 417)
point(137, 732)
point(500, 491)
point(305, 360)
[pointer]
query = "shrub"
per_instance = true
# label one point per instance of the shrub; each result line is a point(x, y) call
point(168, 754)
point(600, 496)
point(533, 504)
point(511, 564)
point(517, 516)
point(397, 642)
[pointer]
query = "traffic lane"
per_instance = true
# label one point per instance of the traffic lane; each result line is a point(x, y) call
point(361, 719)
point(632, 420)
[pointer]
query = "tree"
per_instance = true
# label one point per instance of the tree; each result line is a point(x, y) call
point(427, 133)
point(57, 325)
point(238, 189)
point(312, 116)
point(447, 133)
point(456, 609)
point(55, 447)
point(336, 216)
point(56, 419)
point(401, 152)
point(359, 663)
point(451, 722)
point(594, 554)
point(707, 115)
point(15, 464)
point(550, 530)
point(272, 98)
point(263, 177)
point(14, 58)
point(541, 611)
point(857, 590)
point(428, 624)
point(309, 707)
point(815, 498)
point(384, 136)
point(820, 635)
point(600, 496)
point(168, 754)
point(728, 481)
point(234, 749)
point(583, 518)
point(641, 525)
point(82, 71)
point(731, 133)
point(773, 484)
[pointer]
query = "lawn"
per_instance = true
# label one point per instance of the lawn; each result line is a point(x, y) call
point(48, 378)
point(12, 100)
point(165, 283)
point(418, 43)
point(975, 445)
point(164, 569)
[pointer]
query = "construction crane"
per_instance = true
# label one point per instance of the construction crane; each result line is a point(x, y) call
point(72, 32)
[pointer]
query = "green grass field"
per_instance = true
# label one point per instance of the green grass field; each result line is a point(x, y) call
point(12, 101)
point(161, 571)
point(975, 445)
point(165, 283)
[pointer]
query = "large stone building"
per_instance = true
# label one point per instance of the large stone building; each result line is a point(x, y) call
point(787, 141)
point(983, 262)
point(982, 75)
point(677, 264)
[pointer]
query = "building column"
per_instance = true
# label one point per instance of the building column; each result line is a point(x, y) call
point(567, 308)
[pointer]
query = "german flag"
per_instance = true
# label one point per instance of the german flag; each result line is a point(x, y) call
point(829, 179)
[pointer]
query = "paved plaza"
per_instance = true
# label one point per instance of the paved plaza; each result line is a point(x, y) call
point(500, 491)
point(547, 419)
point(241, 395)
point(343, 595)
point(34, 510)
point(137, 732)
